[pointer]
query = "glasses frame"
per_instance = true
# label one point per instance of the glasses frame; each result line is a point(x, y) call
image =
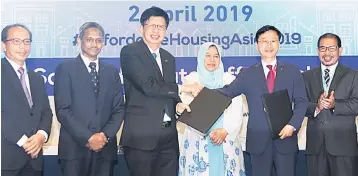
point(329, 48)
point(25, 41)
point(156, 26)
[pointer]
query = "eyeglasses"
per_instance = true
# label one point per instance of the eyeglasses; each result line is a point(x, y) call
point(17, 41)
point(330, 48)
point(159, 27)
point(91, 40)
point(268, 41)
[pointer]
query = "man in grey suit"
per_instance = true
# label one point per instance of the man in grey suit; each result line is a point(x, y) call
point(89, 106)
point(25, 111)
point(332, 90)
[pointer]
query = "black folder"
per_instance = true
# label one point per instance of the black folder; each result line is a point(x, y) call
point(206, 108)
point(278, 110)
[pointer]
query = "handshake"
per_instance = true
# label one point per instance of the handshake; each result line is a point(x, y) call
point(194, 90)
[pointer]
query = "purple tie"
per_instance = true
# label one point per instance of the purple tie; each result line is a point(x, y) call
point(23, 83)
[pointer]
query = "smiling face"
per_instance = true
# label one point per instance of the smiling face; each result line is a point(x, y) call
point(92, 43)
point(153, 31)
point(17, 52)
point(328, 51)
point(268, 45)
point(212, 59)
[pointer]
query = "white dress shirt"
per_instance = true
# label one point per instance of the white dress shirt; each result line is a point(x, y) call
point(16, 67)
point(88, 61)
point(159, 62)
point(266, 69)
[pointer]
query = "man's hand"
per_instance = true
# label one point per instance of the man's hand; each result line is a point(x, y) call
point(287, 131)
point(180, 107)
point(34, 144)
point(329, 102)
point(97, 141)
point(320, 107)
point(194, 89)
point(218, 136)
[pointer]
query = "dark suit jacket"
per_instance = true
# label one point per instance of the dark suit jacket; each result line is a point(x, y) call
point(81, 114)
point(336, 126)
point(17, 118)
point(252, 83)
point(147, 95)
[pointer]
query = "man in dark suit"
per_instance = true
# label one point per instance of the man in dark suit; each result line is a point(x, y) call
point(89, 105)
point(332, 90)
point(25, 111)
point(267, 76)
point(149, 134)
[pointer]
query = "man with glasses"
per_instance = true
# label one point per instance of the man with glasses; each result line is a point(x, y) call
point(332, 90)
point(268, 76)
point(89, 105)
point(25, 111)
point(149, 137)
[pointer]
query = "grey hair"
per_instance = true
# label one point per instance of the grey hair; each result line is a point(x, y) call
point(4, 32)
point(88, 25)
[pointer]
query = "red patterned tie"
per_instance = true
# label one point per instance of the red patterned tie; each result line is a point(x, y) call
point(270, 80)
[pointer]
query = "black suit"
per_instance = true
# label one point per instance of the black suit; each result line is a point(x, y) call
point(332, 133)
point(148, 93)
point(18, 119)
point(82, 113)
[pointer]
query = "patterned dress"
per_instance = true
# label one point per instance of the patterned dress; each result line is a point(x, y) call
point(194, 149)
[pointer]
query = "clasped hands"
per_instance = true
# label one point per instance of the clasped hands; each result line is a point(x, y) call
point(325, 101)
point(97, 141)
point(33, 145)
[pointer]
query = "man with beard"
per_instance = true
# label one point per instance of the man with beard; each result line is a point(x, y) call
point(89, 106)
point(332, 90)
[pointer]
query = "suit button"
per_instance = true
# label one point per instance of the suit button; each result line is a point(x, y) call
point(322, 122)
point(31, 114)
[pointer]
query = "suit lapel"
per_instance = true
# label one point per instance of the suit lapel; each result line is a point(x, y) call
point(316, 82)
point(15, 82)
point(166, 63)
point(83, 72)
point(280, 72)
point(338, 74)
point(102, 75)
point(33, 88)
point(261, 77)
point(149, 57)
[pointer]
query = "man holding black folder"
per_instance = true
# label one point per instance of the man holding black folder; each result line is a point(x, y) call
point(332, 91)
point(266, 77)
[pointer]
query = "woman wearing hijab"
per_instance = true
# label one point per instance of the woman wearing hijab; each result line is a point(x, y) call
point(220, 153)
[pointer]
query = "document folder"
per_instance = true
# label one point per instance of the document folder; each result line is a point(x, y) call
point(206, 108)
point(278, 110)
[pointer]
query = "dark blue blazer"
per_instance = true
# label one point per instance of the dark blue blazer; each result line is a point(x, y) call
point(17, 118)
point(82, 113)
point(252, 82)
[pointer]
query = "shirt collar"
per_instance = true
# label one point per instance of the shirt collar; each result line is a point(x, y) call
point(151, 51)
point(16, 66)
point(331, 68)
point(273, 63)
point(88, 61)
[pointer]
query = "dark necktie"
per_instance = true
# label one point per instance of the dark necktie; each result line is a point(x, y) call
point(154, 56)
point(94, 75)
point(166, 106)
point(24, 86)
point(326, 77)
point(270, 80)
